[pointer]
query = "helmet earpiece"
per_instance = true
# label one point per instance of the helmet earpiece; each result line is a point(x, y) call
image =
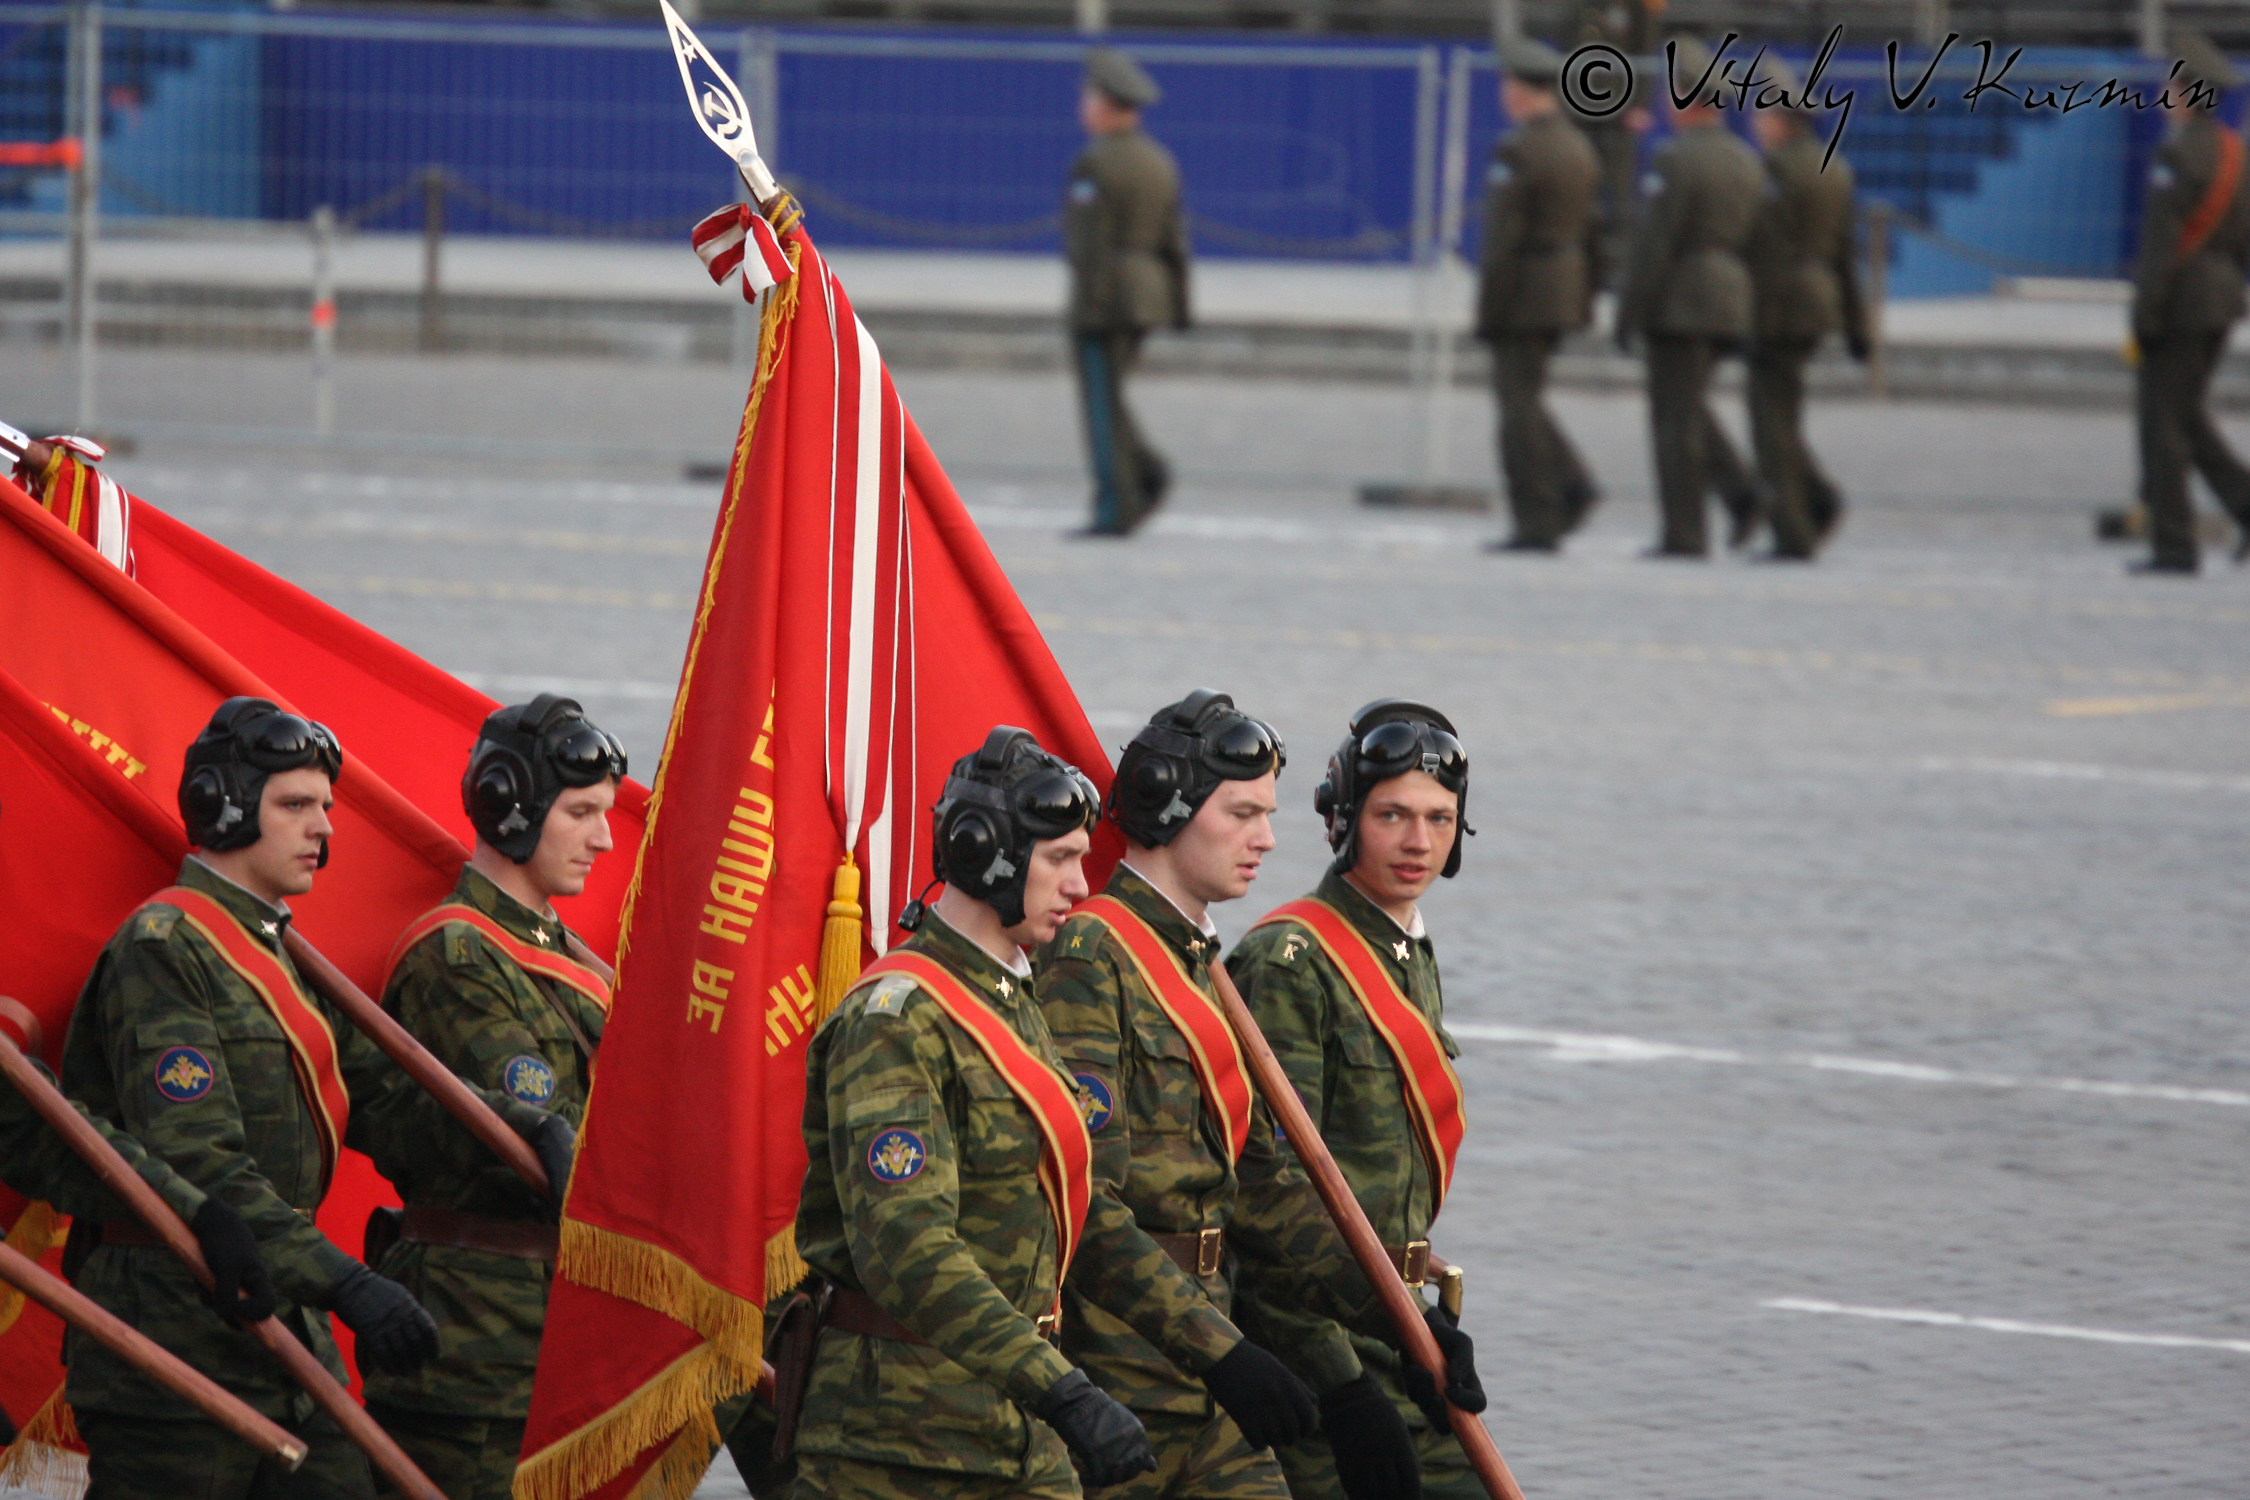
point(1180, 757)
point(998, 802)
point(526, 755)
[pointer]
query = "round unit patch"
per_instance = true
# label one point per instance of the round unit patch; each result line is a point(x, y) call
point(896, 1156)
point(184, 1075)
point(1095, 1102)
point(529, 1078)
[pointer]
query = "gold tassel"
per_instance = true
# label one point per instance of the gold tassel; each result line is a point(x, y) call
point(839, 942)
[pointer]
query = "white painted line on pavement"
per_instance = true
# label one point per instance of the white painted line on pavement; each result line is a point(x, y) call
point(2006, 1325)
point(1594, 1047)
point(2059, 770)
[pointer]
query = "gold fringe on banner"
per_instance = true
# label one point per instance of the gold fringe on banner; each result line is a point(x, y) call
point(675, 1406)
point(784, 1266)
point(43, 1457)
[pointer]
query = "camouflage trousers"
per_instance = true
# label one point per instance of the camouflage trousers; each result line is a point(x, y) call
point(1201, 1458)
point(819, 1475)
point(139, 1458)
point(468, 1457)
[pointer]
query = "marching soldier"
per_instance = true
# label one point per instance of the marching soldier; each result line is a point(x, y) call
point(1630, 27)
point(1542, 262)
point(1805, 276)
point(1344, 983)
point(2187, 292)
point(951, 1187)
point(1688, 295)
point(195, 1033)
point(1178, 1132)
point(39, 1164)
point(485, 982)
point(1127, 240)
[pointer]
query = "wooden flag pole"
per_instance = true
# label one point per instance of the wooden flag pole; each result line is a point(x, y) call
point(464, 1103)
point(149, 1357)
point(154, 1212)
point(1351, 1220)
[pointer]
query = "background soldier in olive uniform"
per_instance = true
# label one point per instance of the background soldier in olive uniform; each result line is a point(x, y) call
point(922, 1205)
point(173, 1044)
point(1394, 800)
point(1542, 255)
point(1126, 237)
point(1805, 273)
point(1688, 294)
point(476, 1246)
point(1630, 27)
point(1194, 795)
point(2187, 292)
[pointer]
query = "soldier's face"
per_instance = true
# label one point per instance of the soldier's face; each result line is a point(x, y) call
point(575, 834)
point(1055, 882)
point(1406, 829)
point(292, 828)
point(1217, 855)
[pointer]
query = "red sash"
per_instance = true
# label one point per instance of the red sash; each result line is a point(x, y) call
point(1434, 1100)
point(1218, 1055)
point(2217, 198)
point(1066, 1167)
point(312, 1043)
point(528, 957)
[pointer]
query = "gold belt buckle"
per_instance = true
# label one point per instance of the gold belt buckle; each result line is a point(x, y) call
point(1414, 1262)
point(1049, 1326)
point(1210, 1245)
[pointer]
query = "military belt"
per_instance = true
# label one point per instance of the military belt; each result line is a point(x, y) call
point(130, 1234)
point(1412, 1260)
point(1198, 1253)
point(856, 1312)
point(525, 1238)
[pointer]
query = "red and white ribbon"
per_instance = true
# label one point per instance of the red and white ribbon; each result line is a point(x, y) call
point(738, 237)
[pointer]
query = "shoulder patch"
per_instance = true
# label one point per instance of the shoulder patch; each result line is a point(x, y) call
point(1083, 190)
point(528, 1078)
point(461, 945)
point(155, 924)
point(896, 1155)
point(888, 997)
point(1096, 1104)
point(1500, 175)
point(1652, 183)
point(2160, 174)
point(1292, 943)
point(184, 1074)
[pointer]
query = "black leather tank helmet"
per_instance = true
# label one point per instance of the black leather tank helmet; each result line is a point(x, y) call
point(1391, 737)
point(224, 779)
point(997, 803)
point(524, 758)
point(1177, 761)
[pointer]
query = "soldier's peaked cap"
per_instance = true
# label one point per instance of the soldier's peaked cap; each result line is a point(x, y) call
point(1123, 79)
point(1529, 60)
point(1691, 60)
point(2199, 59)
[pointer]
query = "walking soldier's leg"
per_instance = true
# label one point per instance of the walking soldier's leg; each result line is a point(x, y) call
point(1116, 479)
point(1777, 407)
point(2213, 458)
point(470, 1458)
point(1527, 460)
point(140, 1458)
point(1679, 369)
point(2162, 385)
point(820, 1477)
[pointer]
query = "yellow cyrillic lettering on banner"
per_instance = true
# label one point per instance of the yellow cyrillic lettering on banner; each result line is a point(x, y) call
point(789, 1007)
point(711, 980)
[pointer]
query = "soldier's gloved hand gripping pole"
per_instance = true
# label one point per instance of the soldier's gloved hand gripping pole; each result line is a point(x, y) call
point(1328, 1180)
point(303, 1367)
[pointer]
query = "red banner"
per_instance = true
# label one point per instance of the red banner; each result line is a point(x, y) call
point(855, 638)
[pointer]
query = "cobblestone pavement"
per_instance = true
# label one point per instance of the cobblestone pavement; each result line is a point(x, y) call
point(1862, 938)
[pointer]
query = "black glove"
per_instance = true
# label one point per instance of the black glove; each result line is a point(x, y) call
point(241, 1291)
point(1268, 1403)
point(1106, 1439)
point(556, 1145)
point(396, 1337)
point(1462, 1388)
point(1859, 346)
point(1374, 1448)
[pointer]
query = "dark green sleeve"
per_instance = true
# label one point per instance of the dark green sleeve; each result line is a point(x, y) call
point(2172, 194)
point(1502, 252)
point(1653, 245)
point(1294, 1264)
point(38, 1163)
point(154, 1001)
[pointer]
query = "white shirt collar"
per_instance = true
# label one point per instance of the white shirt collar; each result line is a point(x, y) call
point(1415, 929)
point(1202, 924)
point(1020, 965)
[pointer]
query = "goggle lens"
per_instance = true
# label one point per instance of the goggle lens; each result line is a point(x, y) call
point(586, 755)
point(285, 742)
point(1056, 803)
point(1244, 750)
point(1395, 748)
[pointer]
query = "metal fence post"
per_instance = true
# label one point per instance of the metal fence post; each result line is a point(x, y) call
point(2152, 28)
point(84, 96)
point(1878, 295)
point(324, 319)
point(1428, 97)
point(433, 244)
point(1453, 177)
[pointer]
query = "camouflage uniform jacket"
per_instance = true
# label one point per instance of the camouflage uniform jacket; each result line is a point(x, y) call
point(38, 1163)
point(500, 1027)
point(1159, 1149)
point(242, 1131)
point(1349, 1081)
point(958, 1244)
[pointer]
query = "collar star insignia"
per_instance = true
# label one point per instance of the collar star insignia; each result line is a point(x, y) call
point(1006, 989)
point(541, 934)
point(273, 929)
point(1399, 950)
